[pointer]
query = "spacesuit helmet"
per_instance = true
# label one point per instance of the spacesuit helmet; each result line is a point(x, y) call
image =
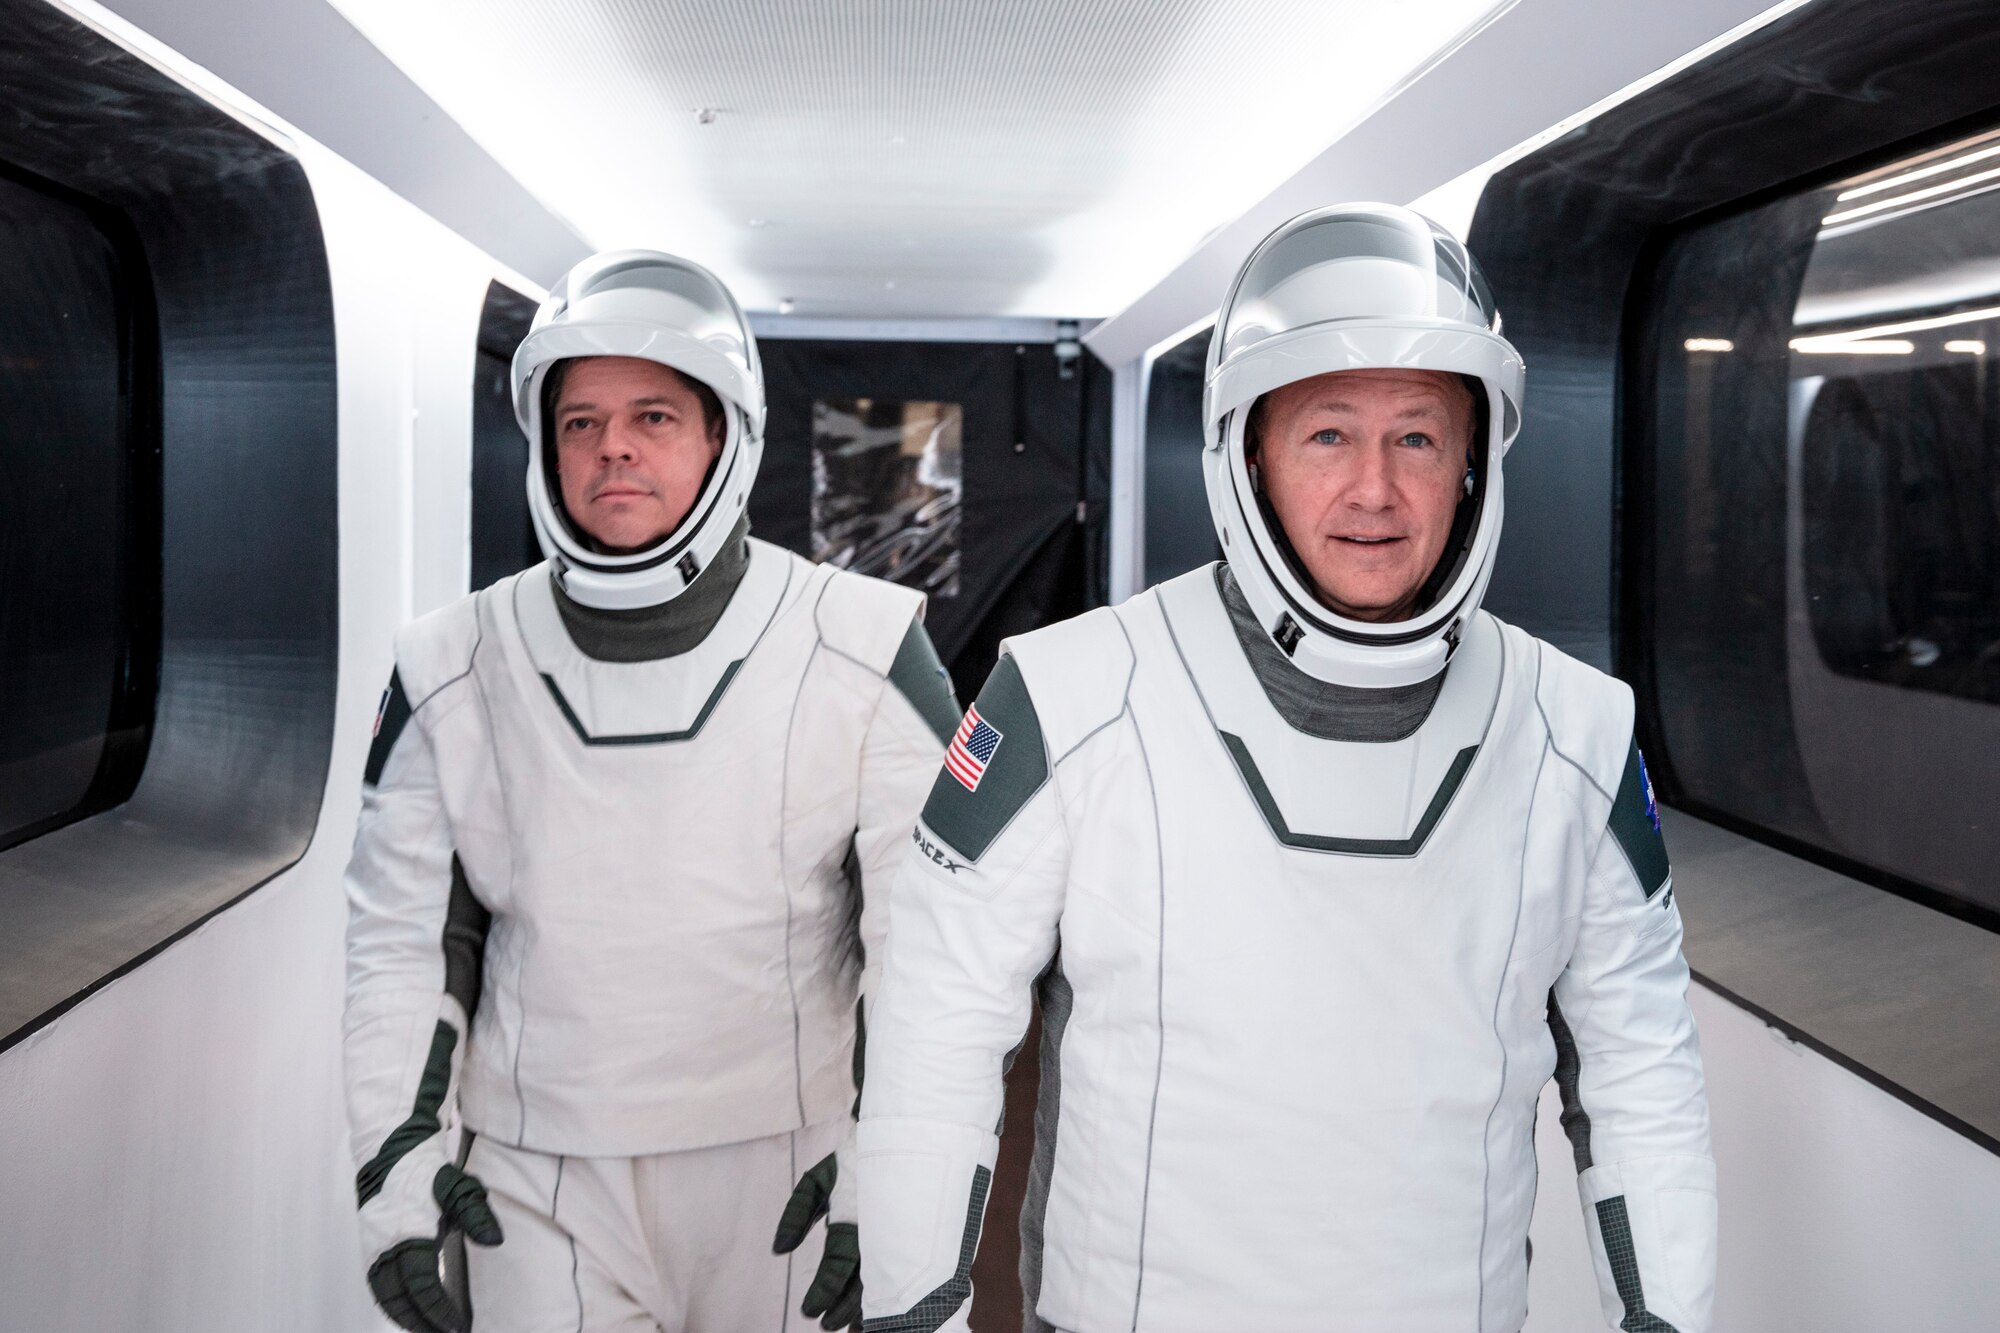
point(1355, 287)
point(642, 303)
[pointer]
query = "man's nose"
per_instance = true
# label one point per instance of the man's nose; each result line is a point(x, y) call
point(1372, 486)
point(618, 441)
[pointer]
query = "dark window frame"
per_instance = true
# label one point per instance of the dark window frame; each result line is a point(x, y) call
point(128, 728)
point(1873, 981)
point(1635, 517)
point(248, 544)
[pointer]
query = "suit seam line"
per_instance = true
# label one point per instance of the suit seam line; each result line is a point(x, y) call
point(784, 870)
point(1499, 994)
point(1160, 1007)
point(471, 656)
point(791, 1260)
point(1549, 727)
point(500, 780)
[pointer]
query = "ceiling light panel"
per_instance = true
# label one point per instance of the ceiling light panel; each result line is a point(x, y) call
point(911, 157)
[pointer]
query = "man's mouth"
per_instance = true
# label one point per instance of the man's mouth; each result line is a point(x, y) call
point(1368, 541)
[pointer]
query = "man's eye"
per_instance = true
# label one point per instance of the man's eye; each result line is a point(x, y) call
point(1327, 436)
point(1416, 439)
point(575, 424)
point(654, 418)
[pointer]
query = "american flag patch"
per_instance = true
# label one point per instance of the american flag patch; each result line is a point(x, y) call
point(971, 750)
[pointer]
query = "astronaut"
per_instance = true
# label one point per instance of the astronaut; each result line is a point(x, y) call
point(620, 870)
point(1321, 872)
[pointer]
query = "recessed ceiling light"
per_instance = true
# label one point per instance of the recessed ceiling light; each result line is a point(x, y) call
point(786, 305)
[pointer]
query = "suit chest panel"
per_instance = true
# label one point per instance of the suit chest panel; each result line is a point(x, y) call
point(552, 826)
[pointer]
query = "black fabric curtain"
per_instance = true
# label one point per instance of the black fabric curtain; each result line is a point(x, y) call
point(1033, 475)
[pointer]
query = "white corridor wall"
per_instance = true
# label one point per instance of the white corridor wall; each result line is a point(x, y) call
point(173, 1150)
point(1843, 1210)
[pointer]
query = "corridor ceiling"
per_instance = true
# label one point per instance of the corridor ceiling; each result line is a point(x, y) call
point(906, 158)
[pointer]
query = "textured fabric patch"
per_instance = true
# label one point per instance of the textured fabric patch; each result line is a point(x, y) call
point(1057, 1000)
point(465, 925)
point(423, 1121)
point(1616, 1228)
point(1635, 822)
point(391, 716)
point(919, 677)
point(969, 820)
point(1569, 1068)
point(929, 1314)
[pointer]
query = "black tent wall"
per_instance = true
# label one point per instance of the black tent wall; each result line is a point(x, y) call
point(1034, 465)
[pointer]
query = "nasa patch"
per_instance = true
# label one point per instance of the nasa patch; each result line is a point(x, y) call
point(1652, 805)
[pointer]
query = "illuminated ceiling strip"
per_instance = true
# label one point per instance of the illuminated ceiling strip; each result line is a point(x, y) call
point(1709, 345)
point(1849, 228)
point(1929, 192)
point(1921, 173)
point(1875, 347)
point(1906, 326)
point(1973, 345)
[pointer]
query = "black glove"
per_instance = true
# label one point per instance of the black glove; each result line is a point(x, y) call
point(835, 1293)
point(406, 1280)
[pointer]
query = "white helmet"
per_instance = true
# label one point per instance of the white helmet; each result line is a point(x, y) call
point(1352, 287)
point(661, 308)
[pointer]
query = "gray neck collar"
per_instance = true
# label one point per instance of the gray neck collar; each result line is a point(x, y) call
point(648, 633)
point(1321, 710)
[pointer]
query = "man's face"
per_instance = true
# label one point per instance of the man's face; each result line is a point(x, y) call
point(1364, 469)
point(631, 450)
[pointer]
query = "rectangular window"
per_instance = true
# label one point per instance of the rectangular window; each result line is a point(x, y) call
point(887, 489)
point(1821, 465)
point(75, 688)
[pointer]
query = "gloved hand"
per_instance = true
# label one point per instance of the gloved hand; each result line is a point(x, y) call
point(835, 1293)
point(405, 1279)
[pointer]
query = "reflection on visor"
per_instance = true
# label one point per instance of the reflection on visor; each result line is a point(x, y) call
point(1437, 255)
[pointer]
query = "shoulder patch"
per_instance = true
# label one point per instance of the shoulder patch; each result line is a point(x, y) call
point(995, 763)
point(1635, 822)
point(391, 716)
point(919, 677)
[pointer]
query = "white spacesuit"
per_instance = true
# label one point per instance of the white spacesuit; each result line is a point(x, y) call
point(621, 854)
point(1315, 906)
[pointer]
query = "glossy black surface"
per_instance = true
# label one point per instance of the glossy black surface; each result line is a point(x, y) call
point(247, 535)
point(68, 454)
point(1562, 236)
point(1576, 240)
point(503, 537)
point(1179, 532)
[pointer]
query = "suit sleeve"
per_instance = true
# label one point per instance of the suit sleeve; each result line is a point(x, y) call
point(1628, 1064)
point(899, 759)
point(415, 936)
point(974, 917)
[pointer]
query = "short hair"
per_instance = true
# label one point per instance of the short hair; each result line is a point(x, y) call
point(711, 402)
